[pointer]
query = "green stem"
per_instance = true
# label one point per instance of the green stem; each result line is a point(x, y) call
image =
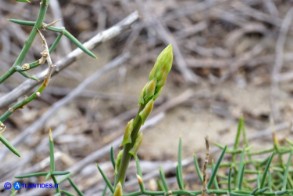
point(7, 74)
point(25, 101)
point(126, 155)
point(28, 42)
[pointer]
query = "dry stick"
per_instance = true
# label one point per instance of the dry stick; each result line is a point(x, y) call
point(231, 17)
point(166, 36)
point(106, 35)
point(247, 56)
point(271, 7)
point(192, 30)
point(37, 125)
point(256, 14)
point(192, 8)
point(227, 62)
point(46, 53)
point(188, 75)
point(279, 61)
point(205, 165)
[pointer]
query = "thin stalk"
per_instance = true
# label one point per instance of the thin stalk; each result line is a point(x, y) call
point(126, 155)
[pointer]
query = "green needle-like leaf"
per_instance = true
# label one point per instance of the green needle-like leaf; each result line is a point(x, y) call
point(78, 44)
point(9, 146)
point(26, 75)
point(62, 31)
point(65, 193)
point(254, 191)
point(237, 138)
point(163, 179)
point(197, 168)
point(112, 157)
point(179, 178)
point(55, 43)
point(229, 180)
point(266, 170)
point(22, 22)
point(215, 170)
point(52, 158)
point(285, 177)
point(75, 187)
point(32, 175)
point(110, 186)
point(105, 191)
point(258, 180)
point(240, 171)
point(179, 172)
point(60, 173)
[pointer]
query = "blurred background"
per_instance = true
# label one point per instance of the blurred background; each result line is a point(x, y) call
point(232, 58)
